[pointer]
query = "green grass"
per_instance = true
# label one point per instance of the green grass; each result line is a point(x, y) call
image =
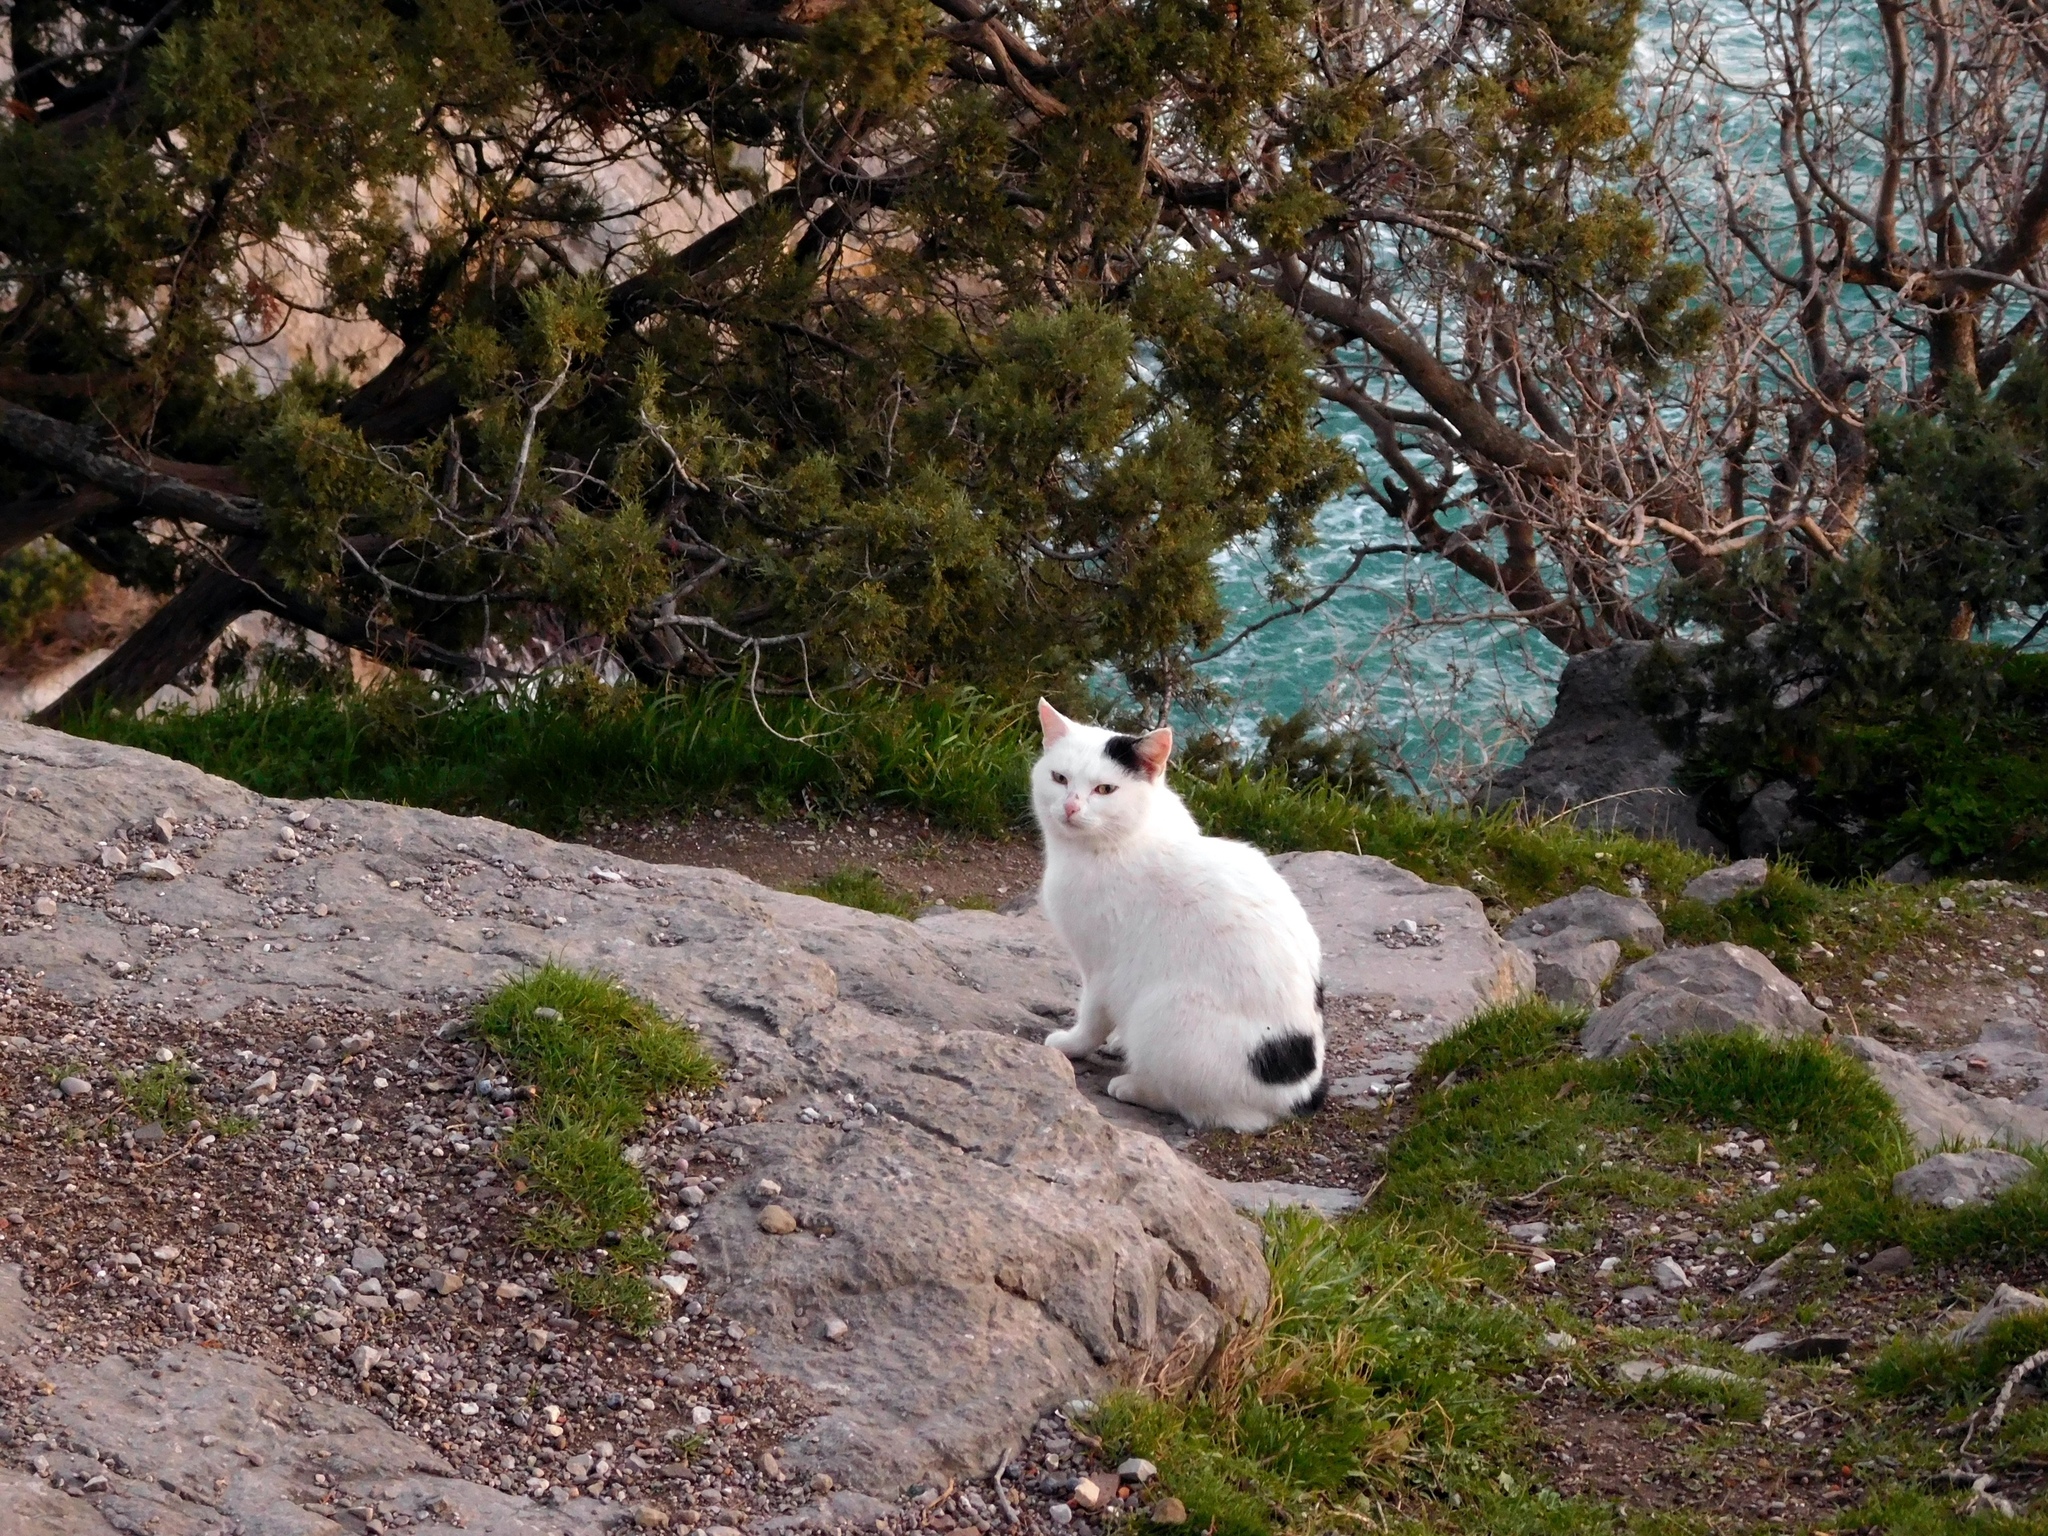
point(596, 1055)
point(573, 753)
point(863, 888)
point(1378, 1395)
point(163, 1094)
point(1959, 1375)
point(568, 752)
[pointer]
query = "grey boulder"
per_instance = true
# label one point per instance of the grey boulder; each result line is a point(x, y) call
point(1574, 976)
point(1600, 759)
point(1716, 989)
point(1576, 941)
point(1717, 885)
point(999, 1246)
point(2007, 1301)
point(1951, 1180)
point(1939, 1114)
point(1586, 915)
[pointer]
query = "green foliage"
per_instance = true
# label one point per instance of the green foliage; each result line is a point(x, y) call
point(862, 888)
point(1857, 680)
point(1955, 1374)
point(595, 1055)
point(35, 581)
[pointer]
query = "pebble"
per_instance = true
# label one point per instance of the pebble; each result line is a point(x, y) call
point(164, 1055)
point(75, 1087)
point(112, 857)
point(1059, 1514)
point(821, 1482)
point(366, 1261)
point(46, 906)
point(267, 1083)
point(164, 868)
point(835, 1328)
point(1137, 1470)
point(767, 1189)
point(1669, 1275)
point(777, 1221)
point(550, 1015)
point(1169, 1511)
point(1097, 1491)
point(650, 1517)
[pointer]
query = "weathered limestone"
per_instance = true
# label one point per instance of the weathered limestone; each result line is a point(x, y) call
point(1718, 884)
point(1951, 1180)
point(1938, 1113)
point(1716, 989)
point(999, 1246)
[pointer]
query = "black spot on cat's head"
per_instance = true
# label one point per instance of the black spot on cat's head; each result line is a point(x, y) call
point(1123, 751)
point(1284, 1059)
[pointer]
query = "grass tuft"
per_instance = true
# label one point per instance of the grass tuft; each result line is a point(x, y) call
point(862, 888)
point(165, 1094)
point(595, 1055)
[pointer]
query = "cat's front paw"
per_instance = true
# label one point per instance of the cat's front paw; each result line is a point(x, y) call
point(1070, 1042)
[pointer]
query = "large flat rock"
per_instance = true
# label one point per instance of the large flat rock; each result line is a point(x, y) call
point(996, 1244)
point(193, 1442)
point(1938, 1113)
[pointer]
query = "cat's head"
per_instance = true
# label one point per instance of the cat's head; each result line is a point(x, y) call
point(1095, 786)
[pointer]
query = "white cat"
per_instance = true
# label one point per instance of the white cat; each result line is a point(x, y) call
point(1197, 962)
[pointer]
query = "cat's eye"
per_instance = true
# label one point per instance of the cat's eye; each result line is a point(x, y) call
point(1059, 778)
point(1105, 789)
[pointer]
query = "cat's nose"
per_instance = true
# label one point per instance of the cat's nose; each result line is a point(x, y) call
point(1073, 806)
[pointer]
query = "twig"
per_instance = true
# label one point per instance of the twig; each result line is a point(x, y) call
point(2013, 1378)
point(1002, 1498)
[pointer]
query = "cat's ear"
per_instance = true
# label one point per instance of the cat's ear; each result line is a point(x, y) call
point(1153, 749)
point(1054, 724)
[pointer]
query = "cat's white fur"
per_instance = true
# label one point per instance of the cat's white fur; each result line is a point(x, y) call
point(1194, 953)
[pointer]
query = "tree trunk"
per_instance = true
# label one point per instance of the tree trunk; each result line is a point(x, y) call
point(175, 637)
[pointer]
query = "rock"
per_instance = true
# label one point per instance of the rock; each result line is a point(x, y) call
point(1353, 900)
point(1940, 1114)
point(1559, 1341)
point(113, 856)
point(998, 1244)
point(1771, 822)
point(1097, 1491)
point(1668, 1275)
point(1169, 1511)
point(1763, 1344)
point(1716, 989)
point(2007, 1301)
point(249, 1477)
point(836, 1328)
point(1717, 885)
point(75, 1088)
point(1584, 916)
point(365, 1359)
point(650, 1517)
point(777, 1221)
point(1600, 757)
point(1911, 870)
point(1534, 1232)
point(1815, 1346)
point(1770, 1278)
point(1277, 1194)
point(1952, 1180)
point(1138, 1471)
point(443, 1282)
point(1887, 1261)
point(366, 1261)
point(45, 906)
point(1574, 977)
point(1060, 1514)
point(266, 1082)
point(164, 868)
point(1637, 1373)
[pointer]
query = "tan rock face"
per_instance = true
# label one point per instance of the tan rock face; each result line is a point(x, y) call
point(994, 1244)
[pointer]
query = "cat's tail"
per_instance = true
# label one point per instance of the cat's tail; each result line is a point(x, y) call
point(1292, 1061)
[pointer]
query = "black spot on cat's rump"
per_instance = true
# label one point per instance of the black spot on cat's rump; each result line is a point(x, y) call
point(1287, 1059)
point(1314, 1101)
point(1123, 751)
